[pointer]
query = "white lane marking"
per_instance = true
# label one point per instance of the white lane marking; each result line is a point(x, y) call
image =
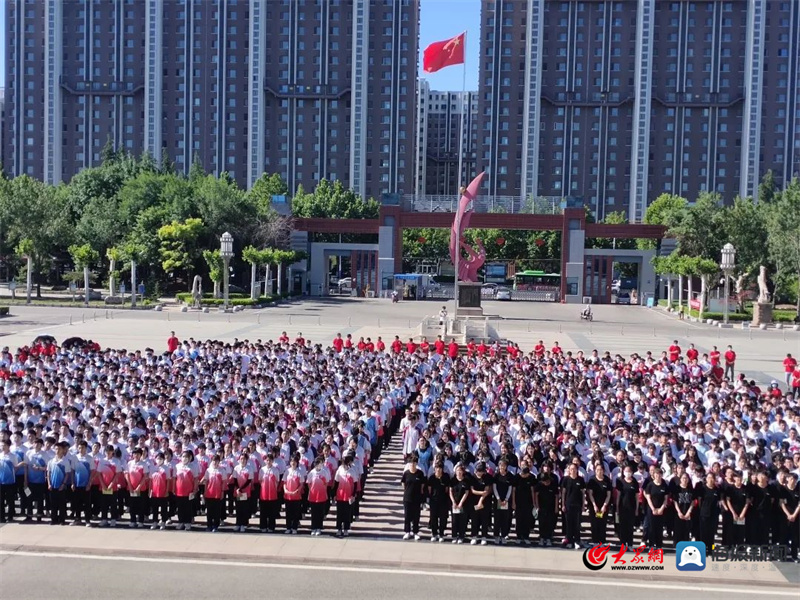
point(389, 571)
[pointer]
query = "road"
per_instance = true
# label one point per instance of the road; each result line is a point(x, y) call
point(73, 577)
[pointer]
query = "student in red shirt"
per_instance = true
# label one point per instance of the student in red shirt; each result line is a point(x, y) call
point(215, 486)
point(692, 353)
point(397, 345)
point(411, 347)
point(425, 346)
point(185, 489)
point(730, 360)
point(299, 340)
point(293, 495)
point(796, 381)
point(538, 349)
point(674, 351)
point(338, 342)
point(270, 478)
point(439, 346)
point(471, 347)
point(160, 484)
point(362, 345)
point(348, 343)
point(789, 364)
point(556, 349)
point(317, 481)
point(346, 480)
point(452, 350)
point(713, 357)
point(173, 342)
point(379, 345)
point(369, 346)
point(482, 349)
point(284, 339)
point(242, 477)
point(512, 349)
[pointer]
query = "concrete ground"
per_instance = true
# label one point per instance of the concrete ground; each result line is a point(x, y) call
point(623, 329)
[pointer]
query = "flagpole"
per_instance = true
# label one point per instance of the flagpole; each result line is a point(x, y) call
point(460, 171)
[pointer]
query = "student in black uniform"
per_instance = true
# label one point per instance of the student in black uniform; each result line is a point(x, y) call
point(738, 507)
point(683, 499)
point(598, 492)
point(762, 497)
point(656, 494)
point(413, 482)
point(709, 496)
point(502, 490)
point(438, 492)
point(573, 488)
point(522, 501)
point(790, 509)
point(627, 505)
point(547, 503)
point(481, 489)
point(460, 501)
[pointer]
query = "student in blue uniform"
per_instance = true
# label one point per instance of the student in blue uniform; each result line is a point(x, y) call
point(83, 465)
point(59, 474)
point(8, 481)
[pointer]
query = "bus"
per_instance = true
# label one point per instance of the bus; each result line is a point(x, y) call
point(537, 281)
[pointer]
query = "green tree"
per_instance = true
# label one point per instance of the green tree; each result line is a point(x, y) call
point(745, 226)
point(613, 218)
point(222, 206)
point(783, 228)
point(767, 188)
point(333, 201)
point(179, 245)
point(216, 268)
point(264, 189)
point(667, 210)
point(700, 231)
point(84, 256)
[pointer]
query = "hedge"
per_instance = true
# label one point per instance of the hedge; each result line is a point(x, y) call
point(186, 297)
point(778, 316)
point(4, 311)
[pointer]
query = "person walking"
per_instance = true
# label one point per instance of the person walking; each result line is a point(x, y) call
point(789, 365)
point(413, 482)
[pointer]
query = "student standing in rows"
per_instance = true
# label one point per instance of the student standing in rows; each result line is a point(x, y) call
point(293, 495)
point(502, 489)
point(790, 507)
point(8, 482)
point(413, 481)
point(269, 502)
point(160, 487)
point(547, 503)
point(107, 475)
point(460, 501)
point(709, 496)
point(481, 489)
point(735, 500)
point(763, 496)
point(136, 476)
point(522, 502)
point(243, 486)
point(573, 489)
point(59, 472)
point(36, 479)
point(346, 481)
point(438, 489)
point(215, 481)
point(627, 505)
point(683, 499)
point(185, 489)
point(598, 491)
point(656, 494)
point(83, 466)
point(317, 481)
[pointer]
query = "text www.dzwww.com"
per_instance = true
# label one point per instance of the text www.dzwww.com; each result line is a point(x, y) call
point(637, 568)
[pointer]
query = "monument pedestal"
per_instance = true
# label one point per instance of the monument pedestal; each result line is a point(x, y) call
point(469, 299)
point(762, 313)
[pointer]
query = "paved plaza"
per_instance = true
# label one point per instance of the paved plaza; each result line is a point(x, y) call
point(618, 329)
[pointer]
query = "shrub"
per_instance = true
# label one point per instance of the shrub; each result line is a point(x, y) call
point(3, 311)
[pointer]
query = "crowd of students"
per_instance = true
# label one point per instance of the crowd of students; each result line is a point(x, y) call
point(496, 439)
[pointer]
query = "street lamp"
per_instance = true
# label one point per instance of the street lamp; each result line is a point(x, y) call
point(226, 252)
point(727, 265)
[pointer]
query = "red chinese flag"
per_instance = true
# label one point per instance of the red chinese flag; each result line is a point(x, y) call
point(443, 54)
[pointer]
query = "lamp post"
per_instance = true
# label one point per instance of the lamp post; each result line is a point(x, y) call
point(727, 265)
point(226, 252)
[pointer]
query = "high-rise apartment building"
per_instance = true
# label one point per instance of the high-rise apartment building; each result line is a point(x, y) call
point(304, 88)
point(441, 123)
point(617, 101)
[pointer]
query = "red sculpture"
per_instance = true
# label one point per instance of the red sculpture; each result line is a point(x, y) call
point(467, 267)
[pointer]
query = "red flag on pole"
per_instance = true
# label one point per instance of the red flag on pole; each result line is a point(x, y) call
point(443, 54)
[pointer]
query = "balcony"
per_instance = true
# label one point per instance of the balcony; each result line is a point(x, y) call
point(581, 99)
point(81, 87)
point(311, 92)
point(721, 99)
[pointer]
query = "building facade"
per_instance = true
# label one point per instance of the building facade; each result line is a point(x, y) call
point(442, 119)
point(304, 88)
point(617, 101)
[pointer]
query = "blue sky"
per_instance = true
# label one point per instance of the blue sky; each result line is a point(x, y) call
point(439, 20)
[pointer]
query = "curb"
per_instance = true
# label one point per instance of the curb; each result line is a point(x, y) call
point(422, 567)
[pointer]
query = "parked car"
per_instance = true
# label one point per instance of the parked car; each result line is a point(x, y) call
point(345, 282)
point(502, 293)
point(624, 298)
